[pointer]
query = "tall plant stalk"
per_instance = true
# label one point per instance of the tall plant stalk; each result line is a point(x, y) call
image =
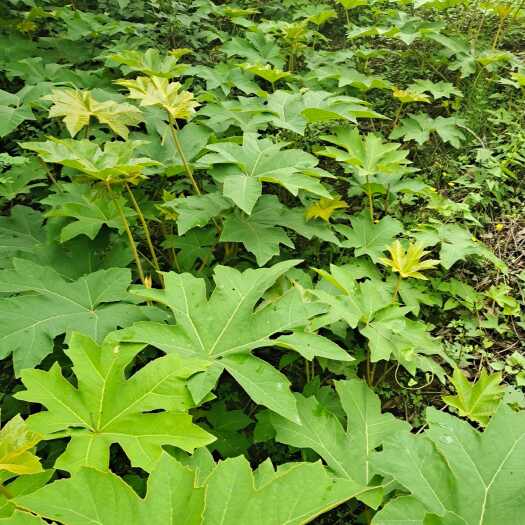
point(174, 133)
point(131, 240)
point(145, 227)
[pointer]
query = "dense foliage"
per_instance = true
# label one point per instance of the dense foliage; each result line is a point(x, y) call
point(262, 262)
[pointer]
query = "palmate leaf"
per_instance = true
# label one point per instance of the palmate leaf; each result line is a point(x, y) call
point(90, 210)
point(262, 232)
point(367, 157)
point(457, 243)
point(16, 443)
point(113, 164)
point(22, 178)
point(346, 451)
point(323, 106)
point(195, 210)
point(243, 169)
point(478, 400)
point(226, 77)
point(151, 62)
point(12, 112)
point(324, 208)
point(257, 47)
point(177, 495)
point(79, 106)
point(158, 91)
point(460, 476)
point(409, 262)
point(419, 126)
point(107, 407)
point(368, 307)
point(367, 237)
point(49, 306)
point(224, 328)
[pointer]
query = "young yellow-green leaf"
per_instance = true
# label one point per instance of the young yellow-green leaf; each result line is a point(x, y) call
point(405, 96)
point(324, 208)
point(78, 106)
point(478, 401)
point(408, 263)
point(231, 494)
point(112, 164)
point(107, 406)
point(16, 442)
point(158, 91)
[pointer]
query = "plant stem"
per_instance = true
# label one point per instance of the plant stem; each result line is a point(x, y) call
point(398, 115)
point(502, 20)
point(5, 491)
point(131, 240)
point(146, 230)
point(189, 172)
point(396, 289)
point(370, 199)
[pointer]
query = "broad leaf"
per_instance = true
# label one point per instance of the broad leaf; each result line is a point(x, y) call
point(242, 169)
point(457, 244)
point(78, 106)
point(478, 400)
point(89, 210)
point(112, 164)
point(224, 328)
point(460, 475)
point(16, 444)
point(151, 62)
point(231, 494)
point(108, 407)
point(196, 210)
point(346, 451)
point(419, 127)
point(49, 306)
point(12, 112)
point(370, 238)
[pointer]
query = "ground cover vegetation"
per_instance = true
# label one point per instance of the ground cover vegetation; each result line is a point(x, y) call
point(262, 262)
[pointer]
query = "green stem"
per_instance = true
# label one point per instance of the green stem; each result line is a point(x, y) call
point(347, 17)
point(370, 199)
point(131, 240)
point(398, 115)
point(146, 230)
point(396, 289)
point(495, 42)
point(189, 172)
point(5, 491)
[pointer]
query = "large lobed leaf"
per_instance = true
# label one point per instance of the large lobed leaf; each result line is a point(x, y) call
point(457, 475)
point(346, 451)
point(109, 407)
point(225, 328)
point(291, 495)
point(48, 305)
